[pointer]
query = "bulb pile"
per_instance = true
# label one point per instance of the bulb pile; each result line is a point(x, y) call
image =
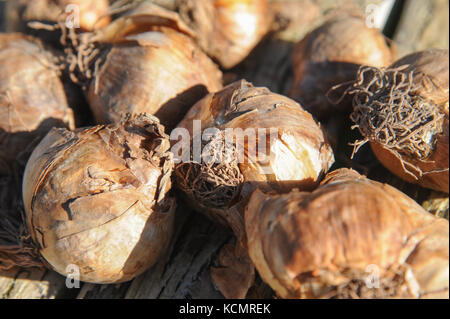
point(173, 126)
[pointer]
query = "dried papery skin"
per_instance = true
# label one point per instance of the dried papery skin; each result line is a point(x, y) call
point(327, 243)
point(431, 74)
point(297, 155)
point(164, 76)
point(97, 198)
point(227, 30)
point(329, 56)
point(140, 16)
point(32, 98)
point(235, 274)
point(144, 61)
point(403, 112)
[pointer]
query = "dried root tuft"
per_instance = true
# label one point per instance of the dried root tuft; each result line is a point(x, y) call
point(360, 286)
point(216, 181)
point(389, 111)
point(81, 55)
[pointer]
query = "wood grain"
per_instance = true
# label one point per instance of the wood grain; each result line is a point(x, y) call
point(32, 284)
point(423, 25)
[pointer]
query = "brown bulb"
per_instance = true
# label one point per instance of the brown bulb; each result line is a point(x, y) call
point(273, 144)
point(32, 97)
point(96, 200)
point(144, 61)
point(331, 55)
point(164, 79)
point(403, 111)
point(227, 30)
point(350, 238)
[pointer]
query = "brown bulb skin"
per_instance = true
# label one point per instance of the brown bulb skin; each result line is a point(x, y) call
point(327, 243)
point(227, 30)
point(331, 55)
point(32, 96)
point(93, 14)
point(297, 154)
point(431, 74)
point(163, 73)
point(434, 169)
point(96, 200)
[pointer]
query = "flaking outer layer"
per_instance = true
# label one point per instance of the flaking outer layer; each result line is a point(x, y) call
point(431, 75)
point(305, 245)
point(154, 66)
point(32, 96)
point(97, 199)
point(297, 155)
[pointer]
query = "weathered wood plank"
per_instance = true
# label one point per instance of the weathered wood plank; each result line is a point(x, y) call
point(423, 25)
point(177, 275)
point(32, 284)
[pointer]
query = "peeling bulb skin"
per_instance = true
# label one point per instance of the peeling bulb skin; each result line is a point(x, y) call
point(98, 199)
point(405, 118)
point(143, 61)
point(431, 70)
point(296, 153)
point(330, 56)
point(165, 74)
point(32, 97)
point(327, 243)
